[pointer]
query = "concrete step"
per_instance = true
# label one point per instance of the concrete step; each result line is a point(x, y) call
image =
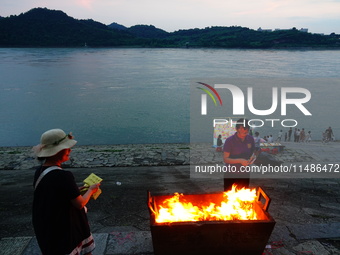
point(128, 240)
point(133, 242)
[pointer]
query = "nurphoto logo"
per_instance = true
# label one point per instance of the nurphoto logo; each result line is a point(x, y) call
point(204, 97)
point(295, 96)
point(238, 99)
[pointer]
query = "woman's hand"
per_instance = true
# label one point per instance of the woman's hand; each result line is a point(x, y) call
point(94, 188)
point(80, 201)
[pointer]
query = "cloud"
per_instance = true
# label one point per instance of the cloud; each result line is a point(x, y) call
point(87, 4)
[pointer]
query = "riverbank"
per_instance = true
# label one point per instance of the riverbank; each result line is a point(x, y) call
point(306, 210)
point(131, 155)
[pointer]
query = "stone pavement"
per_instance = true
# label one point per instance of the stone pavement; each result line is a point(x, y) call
point(306, 210)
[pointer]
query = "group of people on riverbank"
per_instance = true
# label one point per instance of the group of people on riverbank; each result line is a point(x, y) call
point(299, 136)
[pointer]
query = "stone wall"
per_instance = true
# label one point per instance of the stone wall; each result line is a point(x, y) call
point(133, 155)
point(103, 156)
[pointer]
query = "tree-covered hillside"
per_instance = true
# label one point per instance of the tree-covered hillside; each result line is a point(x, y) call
point(48, 28)
point(41, 27)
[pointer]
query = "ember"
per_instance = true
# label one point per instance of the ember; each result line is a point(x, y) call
point(235, 204)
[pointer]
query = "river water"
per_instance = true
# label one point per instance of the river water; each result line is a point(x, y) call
point(124, 96)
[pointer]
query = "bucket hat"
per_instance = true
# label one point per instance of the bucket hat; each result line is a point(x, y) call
point(53, 141)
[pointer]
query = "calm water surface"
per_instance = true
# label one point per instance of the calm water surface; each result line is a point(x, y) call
point(121, 96)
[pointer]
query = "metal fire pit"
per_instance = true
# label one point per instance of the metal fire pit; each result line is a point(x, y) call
point(237, 237)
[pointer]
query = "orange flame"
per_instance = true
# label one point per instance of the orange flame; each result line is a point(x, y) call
point(237, 204)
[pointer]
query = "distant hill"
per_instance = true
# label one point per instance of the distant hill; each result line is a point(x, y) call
point(41, 27)
point(117, 26)
point(145, 31)
point(241, 37)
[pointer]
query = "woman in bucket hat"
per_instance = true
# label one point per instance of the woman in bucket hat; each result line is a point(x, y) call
point(59, 213)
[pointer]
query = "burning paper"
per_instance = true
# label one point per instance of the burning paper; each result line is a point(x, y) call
point(235, 204)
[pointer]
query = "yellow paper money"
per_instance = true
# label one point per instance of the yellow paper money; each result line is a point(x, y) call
point(93, 179)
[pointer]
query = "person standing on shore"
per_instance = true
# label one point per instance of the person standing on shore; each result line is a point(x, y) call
point(59, 213)
point(302, 136)
point(290, 134)
point(258, 140)
point(296, 135)
point(219, 143)
point(330, 134)
point(279, 137)
point(308, 137)
point(238, 149)
point(270, 139)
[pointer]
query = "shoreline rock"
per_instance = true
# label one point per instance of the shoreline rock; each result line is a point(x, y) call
point(87, 156)
point(130, 155)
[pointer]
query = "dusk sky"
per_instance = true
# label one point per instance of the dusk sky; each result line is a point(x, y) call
point(319, 16)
